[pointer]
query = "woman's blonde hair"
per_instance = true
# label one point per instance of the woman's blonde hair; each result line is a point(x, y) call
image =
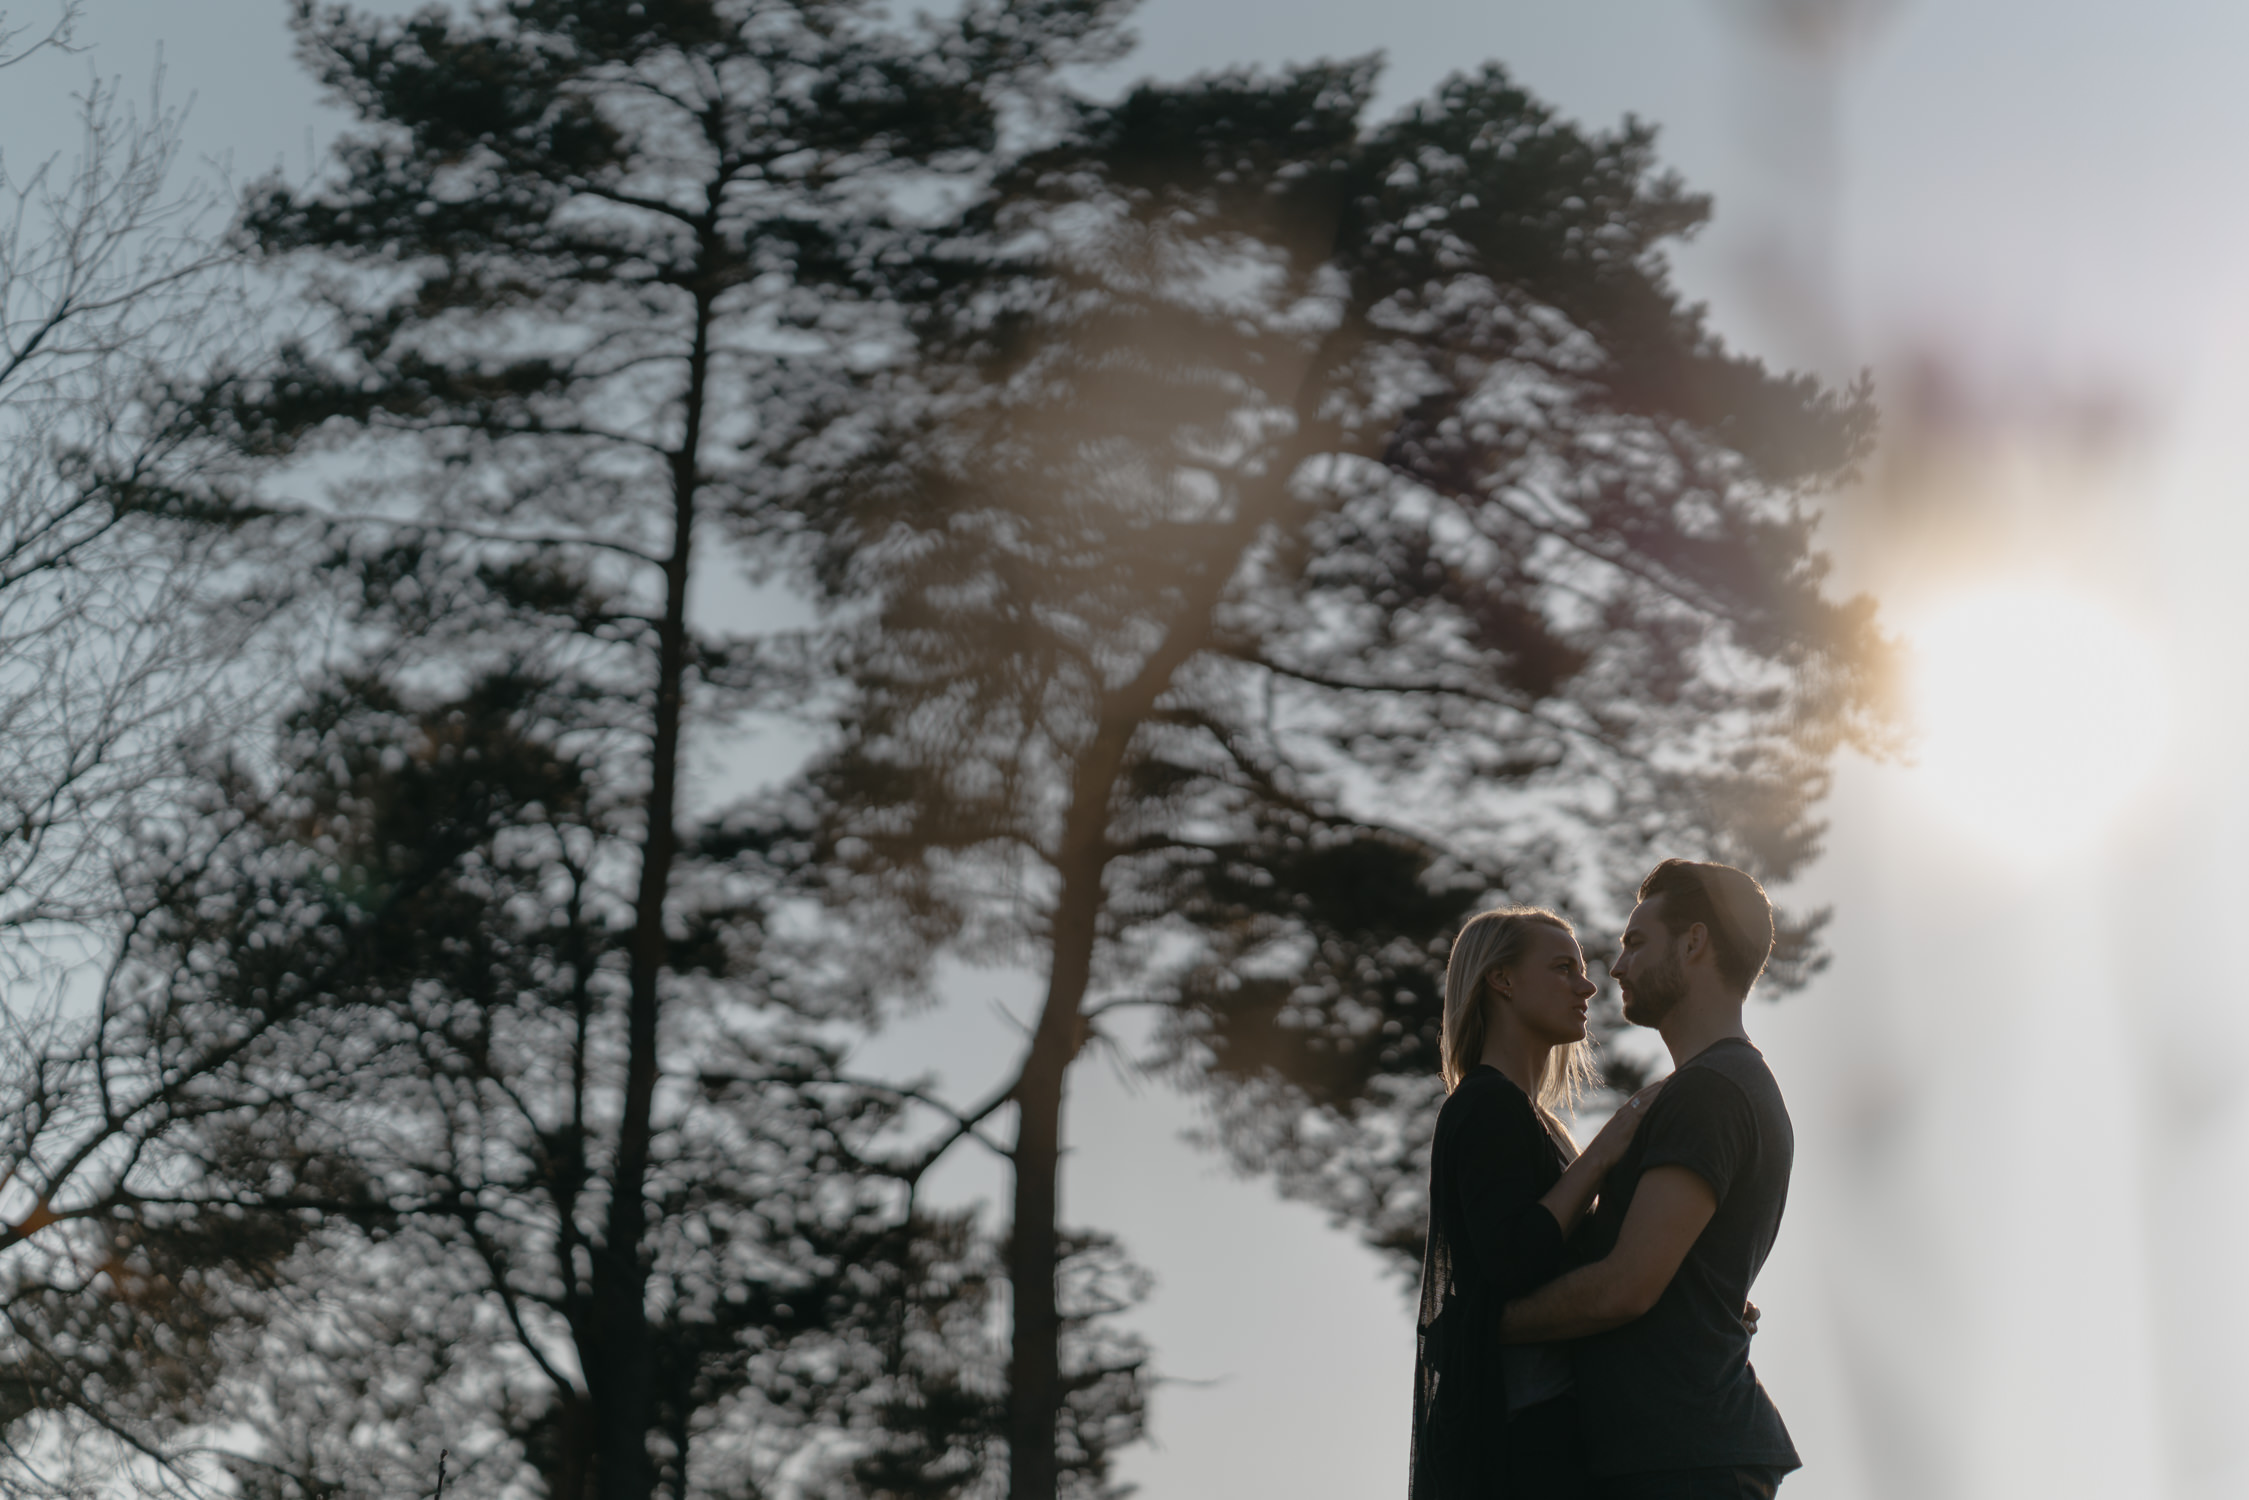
point(1493, 940)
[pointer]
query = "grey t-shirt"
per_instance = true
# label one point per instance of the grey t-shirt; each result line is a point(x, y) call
point(1674, 1389)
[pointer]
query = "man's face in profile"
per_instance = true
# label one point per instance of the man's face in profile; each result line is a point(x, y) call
point(1647, 970)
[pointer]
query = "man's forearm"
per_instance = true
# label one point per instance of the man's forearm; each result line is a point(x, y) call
point(1670, 1206)
point(1591, 1299)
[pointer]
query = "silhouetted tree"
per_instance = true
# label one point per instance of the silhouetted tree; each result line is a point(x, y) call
point(114, 1306)
point(934, 1423)
point(1312, 530)
point(584, 270)
point(408, 941)
point(119, 662)
point(110, 272)
point(403, 954)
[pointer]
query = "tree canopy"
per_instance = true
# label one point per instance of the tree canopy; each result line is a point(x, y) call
point(1310, 529)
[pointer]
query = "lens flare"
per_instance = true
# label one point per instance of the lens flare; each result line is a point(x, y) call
point(2040, 715)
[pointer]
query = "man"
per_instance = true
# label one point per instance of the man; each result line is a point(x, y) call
point(1671, 1406)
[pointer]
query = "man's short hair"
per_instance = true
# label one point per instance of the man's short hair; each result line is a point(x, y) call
point(1730, 905)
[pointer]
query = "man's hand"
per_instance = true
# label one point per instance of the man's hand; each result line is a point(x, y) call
point(1749, 1317)
point(1670, 1206)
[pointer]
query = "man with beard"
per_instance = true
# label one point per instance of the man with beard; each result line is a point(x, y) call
point(1671, 1406)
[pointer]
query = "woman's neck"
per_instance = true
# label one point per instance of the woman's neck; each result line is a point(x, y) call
point(1519, 1055)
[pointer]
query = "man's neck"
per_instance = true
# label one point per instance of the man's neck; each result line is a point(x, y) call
point(1698, 1022)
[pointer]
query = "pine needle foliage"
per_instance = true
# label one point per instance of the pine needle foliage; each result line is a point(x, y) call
point(578, 279)
point(1305, 530)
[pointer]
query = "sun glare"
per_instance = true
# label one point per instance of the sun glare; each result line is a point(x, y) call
point(2040, 714)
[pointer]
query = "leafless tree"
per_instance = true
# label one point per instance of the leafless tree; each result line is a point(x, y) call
point(19, 40)
point(113, 279)
point(109, 274)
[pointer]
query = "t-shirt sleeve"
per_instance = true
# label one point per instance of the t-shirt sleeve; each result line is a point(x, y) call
point(1514, 1239)
point(1702, 1121)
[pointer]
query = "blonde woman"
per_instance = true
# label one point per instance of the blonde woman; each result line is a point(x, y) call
point(1506, 1187)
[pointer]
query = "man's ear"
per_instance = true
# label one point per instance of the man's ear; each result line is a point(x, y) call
point(1697, 944)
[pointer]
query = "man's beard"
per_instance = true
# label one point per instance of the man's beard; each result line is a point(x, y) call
point(1656, 992)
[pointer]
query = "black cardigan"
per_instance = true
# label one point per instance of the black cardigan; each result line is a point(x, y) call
point(1490, 1240)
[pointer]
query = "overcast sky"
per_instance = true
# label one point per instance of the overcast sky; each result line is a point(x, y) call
point(2046, 194)
point(2052, 183)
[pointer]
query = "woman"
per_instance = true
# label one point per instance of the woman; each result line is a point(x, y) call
point(1506, 1187)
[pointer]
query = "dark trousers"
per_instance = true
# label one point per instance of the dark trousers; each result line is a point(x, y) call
point(1545, 1458)
point(1690, 1484)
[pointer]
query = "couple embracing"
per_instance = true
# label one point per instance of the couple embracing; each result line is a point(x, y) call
point(1584, 1325)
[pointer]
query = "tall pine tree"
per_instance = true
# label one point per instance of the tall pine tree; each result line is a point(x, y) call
point(584, 268)
point(1314, 529)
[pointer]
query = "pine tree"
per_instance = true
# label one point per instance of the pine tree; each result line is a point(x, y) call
point(585, 270)
point(1310, 530)
point(405, 942)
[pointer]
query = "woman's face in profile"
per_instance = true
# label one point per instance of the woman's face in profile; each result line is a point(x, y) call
point(1547, 988)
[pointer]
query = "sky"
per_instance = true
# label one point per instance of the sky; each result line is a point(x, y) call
point(2047, 183)
point(1980, 1290)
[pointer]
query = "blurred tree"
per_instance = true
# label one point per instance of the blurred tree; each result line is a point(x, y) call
point(584, 272)
point(411, 936)
point(120, 660)
point(403, 948)
point(1309, 531)
point(112, 1305)
point(109, 272)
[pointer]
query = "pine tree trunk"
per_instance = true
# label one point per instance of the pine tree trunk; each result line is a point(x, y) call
point(1035, 1352)
point(1034, 1371)
point(623, 1381)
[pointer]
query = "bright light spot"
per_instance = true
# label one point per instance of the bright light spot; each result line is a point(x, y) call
point(2041, 714)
